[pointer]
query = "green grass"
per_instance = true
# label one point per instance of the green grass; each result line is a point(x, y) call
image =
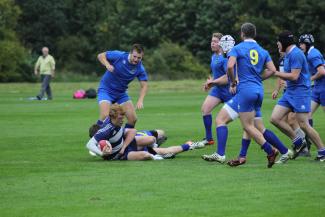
point(45, 169)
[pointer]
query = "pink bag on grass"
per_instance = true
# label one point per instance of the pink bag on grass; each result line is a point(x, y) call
point(79, 94)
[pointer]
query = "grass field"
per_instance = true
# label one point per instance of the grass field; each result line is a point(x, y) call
point(45, 169)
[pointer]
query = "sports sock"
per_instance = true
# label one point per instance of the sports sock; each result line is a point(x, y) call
point(99, 122)
point(299, 132)
point(244, 147)
point(129, 126)
point(275, 141)
point(185, 147)
point(267, 148)
point(297, 141)
point(321, 151)
point(311, 122)
point(207, 120)
point(222, 136)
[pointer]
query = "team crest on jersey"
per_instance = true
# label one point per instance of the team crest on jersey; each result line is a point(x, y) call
point(303, 107)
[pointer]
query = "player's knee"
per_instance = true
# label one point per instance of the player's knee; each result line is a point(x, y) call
point(274, 120)
point(304, 126)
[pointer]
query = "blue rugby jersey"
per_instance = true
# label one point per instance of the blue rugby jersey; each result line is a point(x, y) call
point(295, 59)
point(315, 59)
point(124, 72)
point(251, 58)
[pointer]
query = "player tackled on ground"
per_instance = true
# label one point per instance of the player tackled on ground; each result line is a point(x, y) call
point(112, 141)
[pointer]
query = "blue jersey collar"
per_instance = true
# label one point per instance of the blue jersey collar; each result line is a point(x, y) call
point(312, 47)
point(291, 49)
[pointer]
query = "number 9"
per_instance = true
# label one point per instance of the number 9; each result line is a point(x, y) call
point(254, 57)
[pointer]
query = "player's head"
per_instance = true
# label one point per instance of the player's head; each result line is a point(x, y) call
point(248, 30)
point(93, 130)
point(136, 53)
point(306, 41)
point(116, 114)
point(45, 51)
point(215, 47)
point(285, 39)
point(161, 137)
point(227, 42)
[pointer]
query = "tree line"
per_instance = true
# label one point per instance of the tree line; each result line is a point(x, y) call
point(175, 33)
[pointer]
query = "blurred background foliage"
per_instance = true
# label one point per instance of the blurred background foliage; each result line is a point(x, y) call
point(175, 33)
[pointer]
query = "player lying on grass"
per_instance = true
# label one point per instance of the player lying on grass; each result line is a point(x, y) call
point(112, 142)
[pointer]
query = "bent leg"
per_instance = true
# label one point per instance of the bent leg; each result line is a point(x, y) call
point(130, 114)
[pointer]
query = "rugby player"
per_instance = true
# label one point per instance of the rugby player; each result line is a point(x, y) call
point(122, 68)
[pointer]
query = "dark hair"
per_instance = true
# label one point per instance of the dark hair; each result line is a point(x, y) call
point(93, 130)
point(249, 30)
point(138, 48)
point(286, 39)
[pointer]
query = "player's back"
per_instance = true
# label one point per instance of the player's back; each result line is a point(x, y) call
point(315, 59)
point(251, 58)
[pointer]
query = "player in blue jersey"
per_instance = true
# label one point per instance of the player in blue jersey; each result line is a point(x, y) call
point(316, 65)
point(251, 59)
point(297, 97)
point(122, 68)
point(229, 113)
point(219, 93)
point(291, 117)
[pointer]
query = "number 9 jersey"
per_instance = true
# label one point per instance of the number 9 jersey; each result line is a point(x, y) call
point(251, 58)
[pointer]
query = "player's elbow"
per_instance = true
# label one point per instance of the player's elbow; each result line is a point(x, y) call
point(100, 56)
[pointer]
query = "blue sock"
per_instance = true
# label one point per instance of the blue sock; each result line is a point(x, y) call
point(275, 141)
point(297, 141)
point(207, 120)
point(222, 136)
point(129, 126)
point(311, 122)
point(185, 147)
point(99, 122)
point(267, 148)
point(244, 147)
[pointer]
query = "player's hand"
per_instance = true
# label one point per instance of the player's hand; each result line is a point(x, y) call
point(110, 68)
point(275, 94)
point(139, 105)
point(107, 149)
point(233, 90)
point(121, 151)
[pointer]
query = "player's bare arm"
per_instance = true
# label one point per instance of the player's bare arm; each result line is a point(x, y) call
point(142, 94)
point(129, 136)
point(230, 73)
point(293, 76)
point(320, 73)
point(103, 60)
